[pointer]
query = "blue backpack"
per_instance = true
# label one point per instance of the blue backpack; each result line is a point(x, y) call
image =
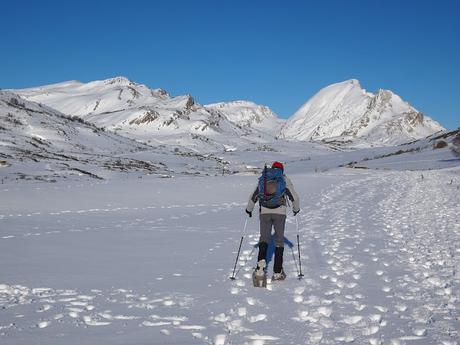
point(272, 187)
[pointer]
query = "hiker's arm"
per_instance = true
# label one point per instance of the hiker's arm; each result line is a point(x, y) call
point(292, 195)
point(253, 199)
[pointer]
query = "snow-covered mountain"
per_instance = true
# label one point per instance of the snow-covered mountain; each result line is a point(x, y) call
point(120, 103)
point(39, 125)
point(346, 111)
point(141, 113)
point(339, 112)
point(38, 141)
point(247, 114)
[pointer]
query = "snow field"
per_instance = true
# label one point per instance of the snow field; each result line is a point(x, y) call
point(148, 261)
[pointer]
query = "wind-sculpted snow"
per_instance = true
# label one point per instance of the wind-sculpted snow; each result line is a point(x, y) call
point(148, 261)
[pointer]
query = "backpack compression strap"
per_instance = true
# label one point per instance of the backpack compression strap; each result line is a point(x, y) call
point(265, 181)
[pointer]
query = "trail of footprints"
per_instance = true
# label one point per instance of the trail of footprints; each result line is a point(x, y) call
point(338, 308)
point(329, 294)
point(425, 230)
point(371, 263)
point(376, 272)
point(55, 308)
point(119, 308)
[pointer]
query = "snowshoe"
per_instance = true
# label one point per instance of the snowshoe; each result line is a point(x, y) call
point(279, 276)
point(259, 276)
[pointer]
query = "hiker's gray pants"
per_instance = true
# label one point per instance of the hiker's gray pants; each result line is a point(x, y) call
point(269, 220)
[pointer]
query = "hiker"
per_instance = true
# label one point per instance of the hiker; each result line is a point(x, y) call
point(271, 194)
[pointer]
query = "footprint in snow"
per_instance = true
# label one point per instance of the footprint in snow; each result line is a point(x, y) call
point(352, 320)
point(257, 318)
point(90, 321)
point(234, 291)
point(44, 308)
point(43, 324)
point(58, 316)
point(155, 324)
point(371, 330)
point(325, 311)
point(252, 301)
point(220, 339)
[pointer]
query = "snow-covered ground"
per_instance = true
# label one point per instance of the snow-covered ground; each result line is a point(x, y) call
point(122, 207)
point(148, 261)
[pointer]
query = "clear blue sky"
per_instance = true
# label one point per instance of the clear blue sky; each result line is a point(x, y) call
point(277, 53)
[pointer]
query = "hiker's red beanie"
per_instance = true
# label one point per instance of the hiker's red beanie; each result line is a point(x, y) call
point(278, 165)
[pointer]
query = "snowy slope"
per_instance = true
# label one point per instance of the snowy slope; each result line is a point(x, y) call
point(38, 142)
point(435, 152)
point(345, 111)
point(32, 121)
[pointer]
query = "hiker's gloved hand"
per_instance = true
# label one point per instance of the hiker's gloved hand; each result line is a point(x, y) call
point(295, 212)
point(249, 213)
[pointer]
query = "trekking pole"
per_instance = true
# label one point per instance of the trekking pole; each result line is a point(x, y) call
point(298, 249)
point(239, 249)
point(295, 262)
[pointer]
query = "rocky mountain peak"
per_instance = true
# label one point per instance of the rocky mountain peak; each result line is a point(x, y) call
point(346, 111)
point(118, 81)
